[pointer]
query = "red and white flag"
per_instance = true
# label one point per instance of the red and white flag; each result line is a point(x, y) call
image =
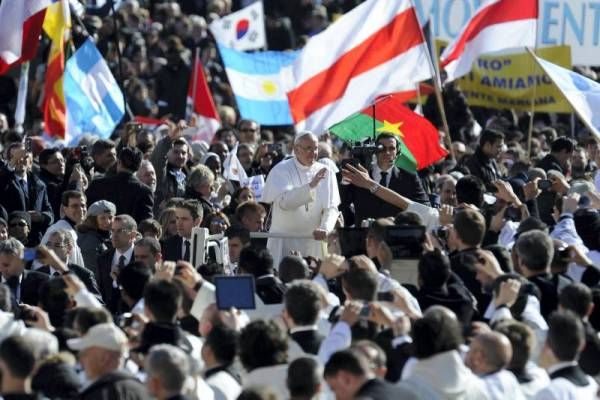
point(376, 48)
point(201, 105)
point(497, 25)
point(20, 27)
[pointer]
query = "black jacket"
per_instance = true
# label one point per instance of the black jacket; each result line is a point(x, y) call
point(172, 248)
point(270, 289)
point(115, 386)
point(13, 198)
point(126, 191)
point(111, 295)
point(549, 162)
point(29, 288)
point(376, 389)
point(484, 168)
point(85, 275)
point(549, 287)
point(309, 340)
point(367, 205)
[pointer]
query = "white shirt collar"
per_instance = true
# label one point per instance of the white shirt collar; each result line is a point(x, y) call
point(552, 369)
point(128, 253)
point(376, 172)
point(304, 328)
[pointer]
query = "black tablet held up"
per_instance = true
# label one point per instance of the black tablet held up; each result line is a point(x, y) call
point(235, 291)
point(352, 241)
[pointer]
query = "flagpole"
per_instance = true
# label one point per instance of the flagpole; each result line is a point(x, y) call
point(195, 79)
point(438, 90)
point(22, 97)
point(532, 116)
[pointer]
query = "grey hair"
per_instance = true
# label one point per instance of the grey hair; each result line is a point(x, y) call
point(127, 221)
point(303, 134)
point(200, 175)
point(535, 250)
point(42, 343)
point(12, 246)
point(170, 365)
point(65, 236)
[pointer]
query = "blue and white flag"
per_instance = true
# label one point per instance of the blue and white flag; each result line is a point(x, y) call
point(95, 103)
point(256, 82)
point(582, 93)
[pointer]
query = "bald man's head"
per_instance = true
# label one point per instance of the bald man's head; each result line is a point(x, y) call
point(489, 352)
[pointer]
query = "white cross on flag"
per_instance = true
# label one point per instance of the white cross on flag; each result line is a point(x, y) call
point(243, 29)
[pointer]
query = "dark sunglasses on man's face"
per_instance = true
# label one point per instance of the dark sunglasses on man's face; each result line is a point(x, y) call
point(22, 224)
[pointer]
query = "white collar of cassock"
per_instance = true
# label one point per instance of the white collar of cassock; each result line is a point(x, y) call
point(301, 167)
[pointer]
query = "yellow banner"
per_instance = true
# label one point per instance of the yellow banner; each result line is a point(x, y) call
point(511, 82)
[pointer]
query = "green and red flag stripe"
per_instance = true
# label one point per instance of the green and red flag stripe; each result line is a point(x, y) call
point(418, 139)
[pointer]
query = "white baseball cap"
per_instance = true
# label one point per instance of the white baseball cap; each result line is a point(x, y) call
point(107, 336)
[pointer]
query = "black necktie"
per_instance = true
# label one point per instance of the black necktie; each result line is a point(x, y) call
point(25, 191)
point(13, 284)
point(383, 180)
point(186, 253)
point(121, 262)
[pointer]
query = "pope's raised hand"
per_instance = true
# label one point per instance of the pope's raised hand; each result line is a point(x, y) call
point(318, 178)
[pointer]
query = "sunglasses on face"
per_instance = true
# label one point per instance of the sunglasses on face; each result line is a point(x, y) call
point(22, 224)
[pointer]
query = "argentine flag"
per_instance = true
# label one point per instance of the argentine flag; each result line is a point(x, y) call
point(95, 103)
point(582, 93)
point(256, 83)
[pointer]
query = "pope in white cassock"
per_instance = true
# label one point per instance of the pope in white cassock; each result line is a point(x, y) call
point(304, 196)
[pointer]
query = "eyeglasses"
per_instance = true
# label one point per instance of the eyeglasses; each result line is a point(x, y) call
point(22, 224)
point(308, 148)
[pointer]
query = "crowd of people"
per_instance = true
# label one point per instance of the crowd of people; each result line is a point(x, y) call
point(99, 298)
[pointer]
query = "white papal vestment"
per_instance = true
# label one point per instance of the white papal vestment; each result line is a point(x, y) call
point(299, 210)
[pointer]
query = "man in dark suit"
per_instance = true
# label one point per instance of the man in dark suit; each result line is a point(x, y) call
point(302, 306)
point(22, 190)
point(559, 356)
point(367, 205)
point(124, 189)
point(259, 262)
point(535, 250)
point(188, 214)
point(61, 242)
point(348, 375)
point(482, 163)
point(112, 261)
point(24, 285)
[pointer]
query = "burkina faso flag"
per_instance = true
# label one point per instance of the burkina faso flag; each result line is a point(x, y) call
point(419, 140)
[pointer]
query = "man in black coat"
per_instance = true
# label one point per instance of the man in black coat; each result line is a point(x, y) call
point(348, 375)
point(112, 261)
point(24, 285)
point(367, 205)
point(189, 215)
point(61, 242)
point(561, 152)
point(482, 163)
point(302, 307)
point(124, 189)
point(172, 82)
point(259, 262)
point(22, 190)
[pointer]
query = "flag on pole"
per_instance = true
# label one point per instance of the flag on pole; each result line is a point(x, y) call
point(201, 105)
point(56, 25)
point(419, 140)
point(582, 93)
point(95, 103)
point(376, 48)
point(22, 96)
point(243, 29)
point(20, 28)
point(232, 167)
point(257, 84)
point(496, 25)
